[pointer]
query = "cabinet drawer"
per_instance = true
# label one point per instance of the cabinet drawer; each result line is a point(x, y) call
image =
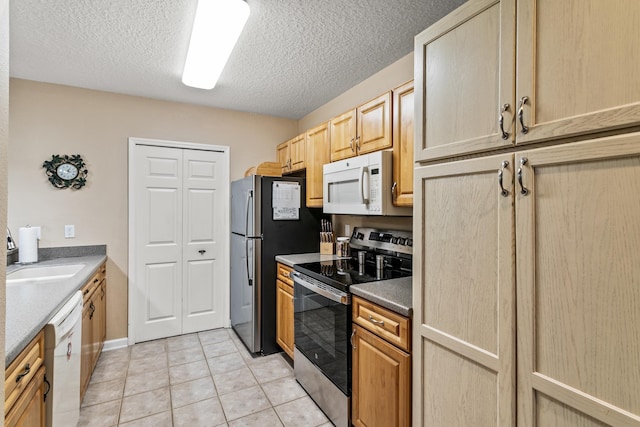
point(93, 283)
point(284, 274)
point(22, 370)
point(385, 323)
point(285, 287)
point(29, 410)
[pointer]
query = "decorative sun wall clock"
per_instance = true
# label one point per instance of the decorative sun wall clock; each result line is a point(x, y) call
point(66, 171)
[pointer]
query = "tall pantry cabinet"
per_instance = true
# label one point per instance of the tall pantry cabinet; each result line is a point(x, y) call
point(526, 231)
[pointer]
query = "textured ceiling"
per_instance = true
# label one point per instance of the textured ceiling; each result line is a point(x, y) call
point(292, 57)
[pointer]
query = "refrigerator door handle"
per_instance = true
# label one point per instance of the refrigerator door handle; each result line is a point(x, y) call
point(246, 235)
point(246, 253)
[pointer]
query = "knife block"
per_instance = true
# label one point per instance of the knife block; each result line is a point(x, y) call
point(326, 248)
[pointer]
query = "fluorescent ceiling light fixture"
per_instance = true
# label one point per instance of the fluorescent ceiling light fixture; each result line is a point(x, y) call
point(216, 28)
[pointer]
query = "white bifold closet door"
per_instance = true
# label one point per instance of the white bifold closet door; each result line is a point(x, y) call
point(179, 219)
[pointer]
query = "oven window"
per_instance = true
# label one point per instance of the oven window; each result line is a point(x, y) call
point(321, 329)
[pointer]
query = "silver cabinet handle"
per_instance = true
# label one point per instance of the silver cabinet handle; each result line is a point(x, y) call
point(503, 191)
point(351, 339)
point(523, 101)
point(505, 107)
point(523, 190)
point(358, 142)
point(202, 251)
point(376, 322)
point(393, 190)
point(351, 144)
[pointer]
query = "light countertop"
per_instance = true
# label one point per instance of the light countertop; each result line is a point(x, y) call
point(394, 294)
point(31, 304)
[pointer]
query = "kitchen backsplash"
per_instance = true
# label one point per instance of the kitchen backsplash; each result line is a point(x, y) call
point(381, 222)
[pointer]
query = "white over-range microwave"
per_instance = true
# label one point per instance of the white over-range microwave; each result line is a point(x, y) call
point(361, 185)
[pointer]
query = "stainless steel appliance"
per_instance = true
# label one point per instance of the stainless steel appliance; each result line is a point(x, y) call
point(268, 218)
point(361, 185)
point(322, 313)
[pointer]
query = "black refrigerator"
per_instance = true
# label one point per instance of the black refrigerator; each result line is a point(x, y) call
point(268, 218)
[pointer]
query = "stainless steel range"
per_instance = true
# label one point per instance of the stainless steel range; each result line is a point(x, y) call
point(322, 313)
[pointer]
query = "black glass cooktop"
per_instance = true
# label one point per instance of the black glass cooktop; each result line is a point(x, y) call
point(343, 273)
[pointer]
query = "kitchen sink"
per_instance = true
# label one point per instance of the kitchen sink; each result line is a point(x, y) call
point(46, 273)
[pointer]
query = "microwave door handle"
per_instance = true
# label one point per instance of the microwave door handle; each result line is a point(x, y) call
point(364, 195)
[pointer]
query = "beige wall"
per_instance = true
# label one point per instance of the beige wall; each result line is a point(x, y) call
point(4, 125)
point(388, 78)
point(51, 119)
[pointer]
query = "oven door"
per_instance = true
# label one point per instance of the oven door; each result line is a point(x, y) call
point(322, 321)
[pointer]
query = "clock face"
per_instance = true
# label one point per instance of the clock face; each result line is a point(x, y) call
point(67, 171)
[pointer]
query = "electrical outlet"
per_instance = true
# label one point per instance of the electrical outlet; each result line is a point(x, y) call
point(69, 231)
point(347, 230)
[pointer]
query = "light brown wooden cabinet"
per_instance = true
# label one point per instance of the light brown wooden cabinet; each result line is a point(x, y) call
point(403, 141)
point(576, 68)
point(24, 387)
point(381, 367)
point(562, 225)
point(284, 308)
point(362, 130)
point(318, 154)
point(291, 154)
point(93, 325)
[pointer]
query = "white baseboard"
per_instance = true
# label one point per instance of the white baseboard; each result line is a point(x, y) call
point(115, 344)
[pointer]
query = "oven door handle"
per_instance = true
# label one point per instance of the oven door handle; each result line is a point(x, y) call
point(339, 297)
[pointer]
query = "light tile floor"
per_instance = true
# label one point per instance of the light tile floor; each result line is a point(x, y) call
point(206, 379)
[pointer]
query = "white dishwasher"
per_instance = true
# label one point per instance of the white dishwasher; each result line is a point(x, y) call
point(63, 336)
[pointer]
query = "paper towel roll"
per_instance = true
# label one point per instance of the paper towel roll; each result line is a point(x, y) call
point(28, 244)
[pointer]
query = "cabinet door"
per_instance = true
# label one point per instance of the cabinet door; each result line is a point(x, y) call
point(578, 264)
point(298, 148)
point(283, 156)
point(577, 63)
point(464, 294)
point(464, 69)
point(381, 382)
point(374, 124)
point(318, 153)
point(403, 107)
point(284, 314)
point(29, 410)
point(343, 136)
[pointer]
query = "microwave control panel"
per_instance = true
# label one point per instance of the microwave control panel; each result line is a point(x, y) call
point(374, 189)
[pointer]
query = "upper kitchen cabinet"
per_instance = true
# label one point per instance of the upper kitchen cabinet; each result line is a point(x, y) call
point(291, 154)
point(403, 131)
point(577, 65)
point(576, 68)
point(283, 154)
point(464, 74)
point(362, 130)
point(318, 153)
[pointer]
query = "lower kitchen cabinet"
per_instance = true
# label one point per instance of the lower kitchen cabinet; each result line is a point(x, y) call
point(381, 371)
point(93, 325)
point(284, 308)
point(25, 387)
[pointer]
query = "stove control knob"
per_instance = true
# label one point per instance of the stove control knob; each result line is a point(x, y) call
point(394, 240)
point(400, 241)
point(409, 242)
